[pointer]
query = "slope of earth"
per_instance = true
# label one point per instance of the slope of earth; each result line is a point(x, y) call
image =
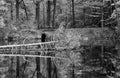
point(86, 36)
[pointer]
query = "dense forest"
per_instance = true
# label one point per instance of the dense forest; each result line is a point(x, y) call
point(59, 39)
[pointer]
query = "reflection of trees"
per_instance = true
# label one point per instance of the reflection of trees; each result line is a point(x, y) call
point(104, 66)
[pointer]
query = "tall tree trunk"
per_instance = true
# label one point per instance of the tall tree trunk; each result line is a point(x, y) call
point(38, 26)
point(17, 19)
point(37, 14)
point(54, 3)
point(48, 12)
point(17, 10)
point(73, 13)
point(44, 15)
point(11, 10)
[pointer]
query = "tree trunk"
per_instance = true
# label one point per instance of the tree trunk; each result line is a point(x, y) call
point(73, 13)
point(37, 14)
point(48, 12)
point(54, 3)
